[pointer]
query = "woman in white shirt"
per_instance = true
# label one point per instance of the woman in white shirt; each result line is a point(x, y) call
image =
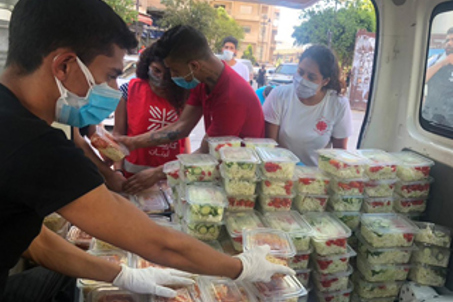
point(310, 114)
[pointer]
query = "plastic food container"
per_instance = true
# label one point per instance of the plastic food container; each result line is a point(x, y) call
point(342, 164)
point(428, 275)
point(292, 223)
point(253, 143)
point(239, 162)
point(86, 286)
point(280, 243)
point(310, 203)
point(277, 162)
point(107, 294)
point(274, 186)
point(311, 180)
point(333, 263)
point(152, 202)
point(246, 293)
point(350, 219)
point(356, 298)
point(270, 203)
point(219, 290)
point(348, 187)
point(55, 222)
point(383, 255)
point(380, 188)
point(206, 203)
point(431, 255)
point(114, 256)
point(382, 272)
point(217, 143)
point(303, 276)
point(346, 203)
point(383, 165)
point(106, 144)
point(279, 289)
point(203, 230)
point(183, 294)
point(241, 202)
point(300, 260)
point(336, 296)
point(237, 222)
point(240, 186)
point(434, 234)
point(329, 234)
point(97, 244)
point(414, 189)
point(171, 169)
point(198, 167)
point(332, 282)
point(378, 205)
point(412, 166)
point(372, 290)
point(79, 238)
point(388, 230)
point(410, 205)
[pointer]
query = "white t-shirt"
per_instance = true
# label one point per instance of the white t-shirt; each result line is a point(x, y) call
point(242, 70)
point(305, 129)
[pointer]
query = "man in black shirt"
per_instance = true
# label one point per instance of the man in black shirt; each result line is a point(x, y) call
point(63, 60)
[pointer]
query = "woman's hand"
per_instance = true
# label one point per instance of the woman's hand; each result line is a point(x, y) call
point(143, 180)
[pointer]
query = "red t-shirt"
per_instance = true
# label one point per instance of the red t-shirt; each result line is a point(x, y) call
point(232, 108)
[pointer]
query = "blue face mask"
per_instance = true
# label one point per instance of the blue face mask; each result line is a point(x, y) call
point(181, 81)
point(101, 100)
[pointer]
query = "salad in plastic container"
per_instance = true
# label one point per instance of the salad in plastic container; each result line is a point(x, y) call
point(97, 244)
point(198, 167)
point(371, 290)
point(303, 275)
point(183, 294)
point(217, 143)
point(219, 290)
point(434, 234)
point(383, 255)
point(270, 203)
point(239, 162)
point(431, 255)
point(412, 166)
point(203, 230)
point(206, 203)
point(333, 263)
point(280, 243)
point(378, 204)
point(279, 289)
point(237, 222)
point(238, 203)
point(311, 180)
point(342, 164)
point(277, 162)
point(106, 144)
point(55, 222)
point(253, 143)
point(331, 282)
point(348, 187)
point(382, 272)
point(239, 186)
point(292, 223)
point(79, 238)
point(274, 186)
point(410, 205)
point(86, 286)
point(171, 169)
point(336, 296)
point(380, 188)
point(300, 260)
point(383, 165)
point(357, 298)
point(108, 294)
point(350, 219)
point(329, 234)
point(152, 202)
point(414, 189)
point(310, 203)
point(428, 275)
point(388, 230)
point(346, 203)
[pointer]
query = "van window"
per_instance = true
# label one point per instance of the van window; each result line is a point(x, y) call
point(286, 69)
point(436, 110)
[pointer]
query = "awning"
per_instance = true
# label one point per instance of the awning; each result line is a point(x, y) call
point(145, 19)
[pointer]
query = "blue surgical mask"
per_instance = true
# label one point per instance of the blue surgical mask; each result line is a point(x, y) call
point(101, 100)
point(181, 81)
point(304, 89)
point(155, 80)
point(228, 55)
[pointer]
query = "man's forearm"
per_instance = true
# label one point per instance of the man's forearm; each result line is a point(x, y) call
point(433, 70)
point(163, 136)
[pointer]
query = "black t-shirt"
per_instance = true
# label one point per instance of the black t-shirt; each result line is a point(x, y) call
point(40, 172)
point(439, 100)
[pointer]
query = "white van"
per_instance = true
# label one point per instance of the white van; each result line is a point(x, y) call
point(283, 74)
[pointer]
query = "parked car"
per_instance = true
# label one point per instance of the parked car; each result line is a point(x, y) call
point(283, 74)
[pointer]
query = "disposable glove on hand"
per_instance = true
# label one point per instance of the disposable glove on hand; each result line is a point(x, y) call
point(256, 268)
point(151, 280)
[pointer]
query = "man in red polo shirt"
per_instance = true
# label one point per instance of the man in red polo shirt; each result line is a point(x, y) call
point(225, 100)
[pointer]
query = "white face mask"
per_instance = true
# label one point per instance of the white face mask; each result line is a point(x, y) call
point(228, 55)
point(304, 88)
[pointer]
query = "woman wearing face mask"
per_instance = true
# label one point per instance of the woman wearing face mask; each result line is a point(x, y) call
point(310, 114)
point(150, 102)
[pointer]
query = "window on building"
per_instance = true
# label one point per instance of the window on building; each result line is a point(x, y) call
point(246, 9)
point(219, 5)
point(247, 29)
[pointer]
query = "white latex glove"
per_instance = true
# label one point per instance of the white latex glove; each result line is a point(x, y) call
point(151, 280)
point(256, 268)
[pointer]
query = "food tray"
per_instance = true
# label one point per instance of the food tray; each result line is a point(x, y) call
point(333, 263)
point(217, 143)
point(311, 180)
point(239, 162)
point(412, 166)
point(277, 162)
point(198, 167)
point(342, 164)
point(382, 272)
point(253, 143)
point(280, 242)
point(383, 165)
point(311, 203)
point(378, 204)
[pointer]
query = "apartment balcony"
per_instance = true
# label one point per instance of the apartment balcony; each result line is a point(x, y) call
point(251, 18)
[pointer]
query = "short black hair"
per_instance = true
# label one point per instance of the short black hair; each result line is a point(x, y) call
point(267, 90)
point(450, 31)
point(231, 39)
point(87, 27)
point(183, 42)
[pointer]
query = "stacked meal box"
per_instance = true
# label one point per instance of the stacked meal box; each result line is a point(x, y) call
point(312, 188)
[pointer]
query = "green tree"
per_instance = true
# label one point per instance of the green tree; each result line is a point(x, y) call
point(225, 26)
point(125, 9)
point(343, 23)
point(248, 54)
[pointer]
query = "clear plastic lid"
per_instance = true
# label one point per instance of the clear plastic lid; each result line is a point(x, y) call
point(224, 140)
point(372, 249)
point(279, 155)
point(390, 223)
point(280, 243)
point(358, 277)
point(378, 157)
point(206, 195)
point(239, 155)
point(370, 199)
point(382, 267)
point(113, 256)
point(326, 277)
point(78, 237)
point(345, 157)
point(378, 182)
point(197, 160)
point(433, 234)
point(279, 289)
point(183, 294)
point(291, 222)
point(102, 139)
point(219, 290)
point(225, 175)
point(236, 222)
point(247, 294)
point(326, 226)
point(349, 254)
point(152, 202)
point(428, 180)
point(172, 166)
point(260, 141)
point(102, 294)
point(310, 173)
point(411, 159)
point(331, 296)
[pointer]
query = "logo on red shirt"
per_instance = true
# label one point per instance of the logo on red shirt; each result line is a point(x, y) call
point(321, 126)
point(161, 117)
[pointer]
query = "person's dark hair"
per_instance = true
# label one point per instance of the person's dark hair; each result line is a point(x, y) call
point(327, 63)
point(267, 90)
point(450, 31)
point(263, 66)
point(231, 39)
point(183, 43)
point(176, 95)
point(87, 27)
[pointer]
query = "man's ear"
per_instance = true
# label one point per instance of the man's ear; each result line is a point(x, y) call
point(63, 64)
point(325, 82)
point(195, 66)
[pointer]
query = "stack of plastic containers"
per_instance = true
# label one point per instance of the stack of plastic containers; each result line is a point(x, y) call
point(253, 143)
point(431, 260)
point(312, 188)
point(237, 222)
point(331, 269)
point(217, 143)
point(277, 179)
point(385, 248)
